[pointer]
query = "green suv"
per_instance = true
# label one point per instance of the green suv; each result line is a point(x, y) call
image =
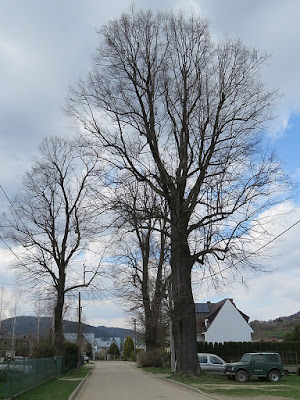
point(260, 365)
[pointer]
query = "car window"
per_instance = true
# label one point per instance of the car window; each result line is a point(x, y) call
point(258, 359)
point(215, 360)
point(246, 358)
point(271, 358)
point(202, 359)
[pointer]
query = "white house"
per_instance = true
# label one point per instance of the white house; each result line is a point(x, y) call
point(221, 322)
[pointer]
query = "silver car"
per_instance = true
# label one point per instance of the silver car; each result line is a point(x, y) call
point(211, 363)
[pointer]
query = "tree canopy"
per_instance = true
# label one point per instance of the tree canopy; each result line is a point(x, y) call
point(52, 222)
point(184, 114)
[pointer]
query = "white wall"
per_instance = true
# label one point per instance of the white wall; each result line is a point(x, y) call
point(228, 326)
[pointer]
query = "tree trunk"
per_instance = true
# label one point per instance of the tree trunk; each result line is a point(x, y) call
point(59, 339)
point(151, 331)
point(183, 315)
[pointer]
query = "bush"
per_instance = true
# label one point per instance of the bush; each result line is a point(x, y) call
point(152, 358)
point(89, 350)
point(43, 350)
point(71, 349)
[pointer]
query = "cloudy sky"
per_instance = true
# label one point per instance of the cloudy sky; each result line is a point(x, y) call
point(45, 46)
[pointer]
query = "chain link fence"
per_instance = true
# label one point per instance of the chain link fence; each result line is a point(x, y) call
point(24, 374)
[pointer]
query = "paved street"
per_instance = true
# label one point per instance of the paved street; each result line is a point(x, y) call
point(111, 380)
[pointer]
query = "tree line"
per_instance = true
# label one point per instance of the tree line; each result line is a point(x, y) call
point(169, 165)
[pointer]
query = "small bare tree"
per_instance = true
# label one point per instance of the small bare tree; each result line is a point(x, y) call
point(184, 115)
point(52, 223)
point(143, 249)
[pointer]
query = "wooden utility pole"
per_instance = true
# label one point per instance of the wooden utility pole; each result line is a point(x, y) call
point(135, 340)
point(79, 332)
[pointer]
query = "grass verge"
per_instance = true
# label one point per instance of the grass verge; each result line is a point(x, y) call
point(156, 370)
point(289, 386)
point(59, 388)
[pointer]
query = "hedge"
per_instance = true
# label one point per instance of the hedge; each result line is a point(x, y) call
point(233, 351)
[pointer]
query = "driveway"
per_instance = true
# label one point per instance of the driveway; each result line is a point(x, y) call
point(112, 380)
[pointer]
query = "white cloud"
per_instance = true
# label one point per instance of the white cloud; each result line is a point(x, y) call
point(48, 46)
point(105, 313)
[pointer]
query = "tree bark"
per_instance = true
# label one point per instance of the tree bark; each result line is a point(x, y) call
point(183, 313)
point(151, 333)
point(59, 340)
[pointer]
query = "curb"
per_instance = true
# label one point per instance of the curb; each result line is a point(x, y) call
point(188, 387)
point(76, 391)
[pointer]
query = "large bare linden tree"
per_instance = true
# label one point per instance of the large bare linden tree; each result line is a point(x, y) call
point(184, 115)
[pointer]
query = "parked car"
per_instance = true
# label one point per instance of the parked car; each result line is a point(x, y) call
point(261, 365)
point(211, 363)
point(86, 358)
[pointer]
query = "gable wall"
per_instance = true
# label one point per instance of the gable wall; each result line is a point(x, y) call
point(228, 326)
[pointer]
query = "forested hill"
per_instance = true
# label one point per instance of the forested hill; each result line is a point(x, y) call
point(27, 325)
point(276, 328)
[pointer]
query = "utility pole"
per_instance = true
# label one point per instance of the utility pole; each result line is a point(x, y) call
point(135, 340)
point(79, 332)
point(38, 321)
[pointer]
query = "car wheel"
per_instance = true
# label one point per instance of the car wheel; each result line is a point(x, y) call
point(241, 376)
point(274, 376)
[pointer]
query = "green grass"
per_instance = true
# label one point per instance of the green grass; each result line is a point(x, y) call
point(56, 388)
point(158, 370)
point(289, 386)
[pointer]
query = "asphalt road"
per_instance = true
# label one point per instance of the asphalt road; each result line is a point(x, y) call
point(112, 380)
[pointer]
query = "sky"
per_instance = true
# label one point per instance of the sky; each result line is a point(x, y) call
point(46, 46)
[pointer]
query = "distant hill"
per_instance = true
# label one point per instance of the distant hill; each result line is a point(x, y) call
point(276, 328)
point(27, 325)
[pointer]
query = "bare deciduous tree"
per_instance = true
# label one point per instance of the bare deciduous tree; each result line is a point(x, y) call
point(184, 115)
point(143, 268)
point(52, 222)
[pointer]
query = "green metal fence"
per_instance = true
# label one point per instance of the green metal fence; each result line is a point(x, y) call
point(21, 375)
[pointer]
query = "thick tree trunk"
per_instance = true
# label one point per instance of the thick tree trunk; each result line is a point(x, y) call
point(152, 331)
point(59, 339)
point(183, 316)
point(151, 335)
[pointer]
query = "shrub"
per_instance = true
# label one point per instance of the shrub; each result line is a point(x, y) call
point(43, 350)
point(152, 358)
point(71, 349)
point(89, 350)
